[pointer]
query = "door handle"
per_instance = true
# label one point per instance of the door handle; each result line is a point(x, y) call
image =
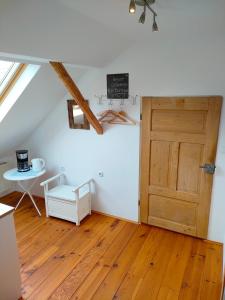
point(208, 168)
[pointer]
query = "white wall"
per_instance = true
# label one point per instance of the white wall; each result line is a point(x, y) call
point(84, 153)
point(6, 186)
point(36, 101)
point(159, 67)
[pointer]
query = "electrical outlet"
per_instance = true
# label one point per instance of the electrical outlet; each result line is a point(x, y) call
point(100, 174)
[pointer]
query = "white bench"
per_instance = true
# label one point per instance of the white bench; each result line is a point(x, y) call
point(65, 201)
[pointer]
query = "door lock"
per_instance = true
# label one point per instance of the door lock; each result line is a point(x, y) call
point(208, 168)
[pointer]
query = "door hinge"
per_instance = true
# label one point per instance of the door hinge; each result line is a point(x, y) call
point(141, 117)
point(139, 203)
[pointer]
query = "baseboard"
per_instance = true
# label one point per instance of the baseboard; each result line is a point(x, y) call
point(94, 211)
point(113, 216)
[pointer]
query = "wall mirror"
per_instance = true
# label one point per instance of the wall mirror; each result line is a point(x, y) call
point(77, 119)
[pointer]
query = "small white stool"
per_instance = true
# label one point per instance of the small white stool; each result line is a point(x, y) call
point(67, 202)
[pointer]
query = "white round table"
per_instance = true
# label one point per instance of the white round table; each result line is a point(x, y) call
point(19, 177)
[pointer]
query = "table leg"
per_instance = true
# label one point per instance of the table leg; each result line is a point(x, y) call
point(35, 205)
point(20, 200)
point(27, 191)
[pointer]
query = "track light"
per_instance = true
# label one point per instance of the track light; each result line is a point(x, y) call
point(132, 7)
point(154, 25)
point(146, 4)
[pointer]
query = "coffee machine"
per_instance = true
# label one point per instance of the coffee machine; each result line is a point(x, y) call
point(22, 161)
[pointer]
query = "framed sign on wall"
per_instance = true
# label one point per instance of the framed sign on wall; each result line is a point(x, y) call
point(118, 86)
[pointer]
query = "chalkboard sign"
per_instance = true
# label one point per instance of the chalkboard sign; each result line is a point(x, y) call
point(118, 86)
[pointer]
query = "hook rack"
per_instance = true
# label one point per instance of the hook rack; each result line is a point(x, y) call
point(103, 99)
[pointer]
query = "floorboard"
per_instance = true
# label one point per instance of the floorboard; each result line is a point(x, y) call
point(107, 258)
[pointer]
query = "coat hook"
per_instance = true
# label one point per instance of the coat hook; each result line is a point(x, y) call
point(110, 102)
point(99, 99)
point(122, 102)
point(134, 99)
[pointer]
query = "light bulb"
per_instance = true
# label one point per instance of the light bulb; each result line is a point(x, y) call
point(154, 25)
point(142, 18)
point(132, 7)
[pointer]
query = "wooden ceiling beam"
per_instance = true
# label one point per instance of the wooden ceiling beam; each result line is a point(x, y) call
point(76, 94)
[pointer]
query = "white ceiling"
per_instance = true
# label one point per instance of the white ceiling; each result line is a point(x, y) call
point(95, 32)
point(174, 16)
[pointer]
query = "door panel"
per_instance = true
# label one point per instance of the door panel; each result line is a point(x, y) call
point(178, 135)
point(189, 173)
point(178, 120)
point(159, 165)
point(173, 210)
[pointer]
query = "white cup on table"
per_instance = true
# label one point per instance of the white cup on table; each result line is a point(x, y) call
point(38, 164)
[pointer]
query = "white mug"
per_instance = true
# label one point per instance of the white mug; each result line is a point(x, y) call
point(38, 164)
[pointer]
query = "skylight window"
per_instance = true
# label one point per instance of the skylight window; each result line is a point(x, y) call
point(5, 68)
point(15, 79)
point(9, 74)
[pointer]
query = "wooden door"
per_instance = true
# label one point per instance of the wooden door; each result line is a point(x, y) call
point(178, 136)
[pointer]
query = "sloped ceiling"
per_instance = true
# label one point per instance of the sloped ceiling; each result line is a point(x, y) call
point(49, 29)
point(36, 102)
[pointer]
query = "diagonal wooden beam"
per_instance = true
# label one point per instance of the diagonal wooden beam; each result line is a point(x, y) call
point(76, 94)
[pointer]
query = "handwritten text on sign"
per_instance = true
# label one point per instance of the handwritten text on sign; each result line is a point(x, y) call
point(118, 86)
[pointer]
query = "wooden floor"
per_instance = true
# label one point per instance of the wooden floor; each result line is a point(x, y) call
point(106, 258)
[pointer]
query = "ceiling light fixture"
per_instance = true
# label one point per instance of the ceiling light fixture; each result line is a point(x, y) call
point(145, 4)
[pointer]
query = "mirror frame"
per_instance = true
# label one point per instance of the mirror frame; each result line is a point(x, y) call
point(72, 122)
